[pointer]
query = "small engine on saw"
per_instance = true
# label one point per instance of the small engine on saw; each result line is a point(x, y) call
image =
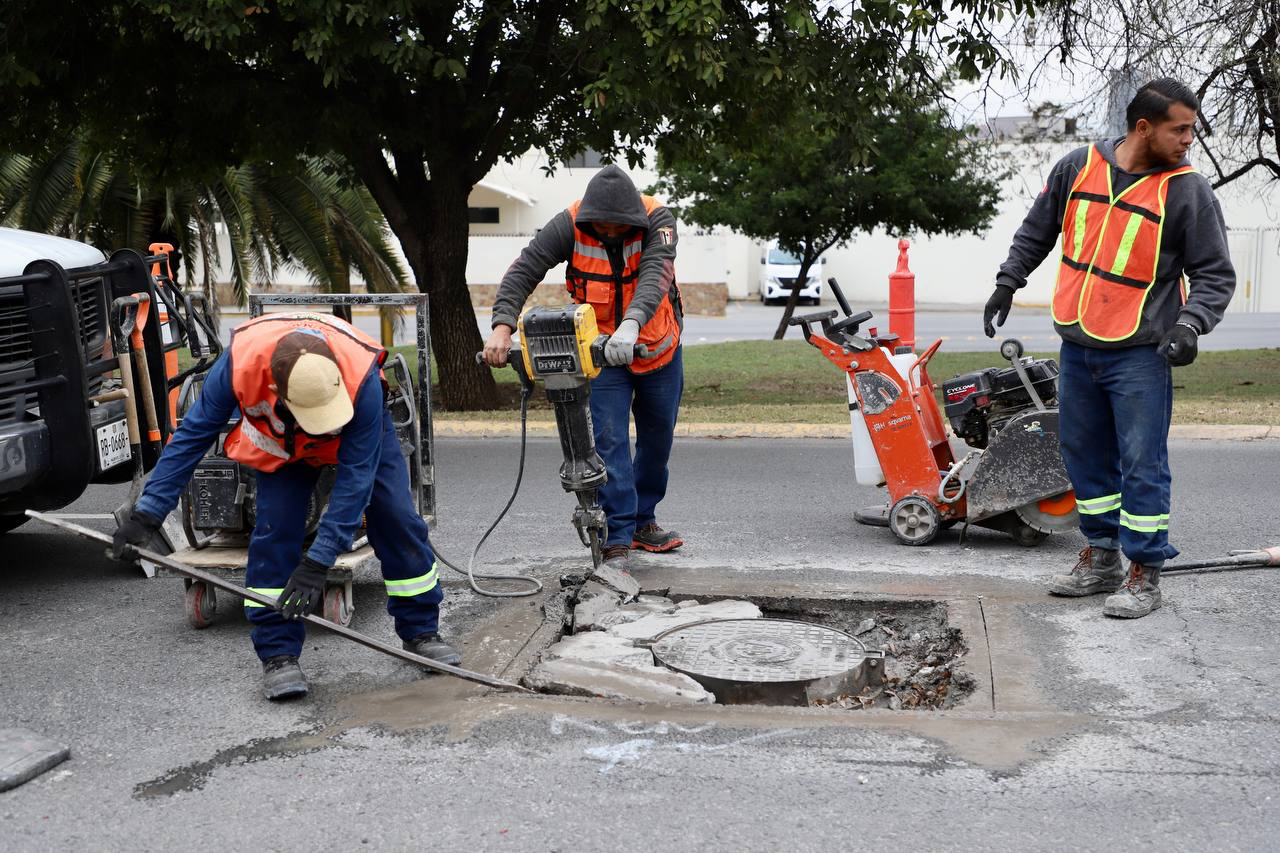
point(979, 404)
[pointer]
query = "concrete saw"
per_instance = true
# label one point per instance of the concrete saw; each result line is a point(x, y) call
point(1056, 514)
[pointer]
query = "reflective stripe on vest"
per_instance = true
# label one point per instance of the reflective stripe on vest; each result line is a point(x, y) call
point(591, 278)
point(261, 440)
point(1110, 250)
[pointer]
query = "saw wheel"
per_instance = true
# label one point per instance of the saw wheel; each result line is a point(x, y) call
point(1055, 514)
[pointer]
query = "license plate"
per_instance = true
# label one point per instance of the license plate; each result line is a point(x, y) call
point(113, 444)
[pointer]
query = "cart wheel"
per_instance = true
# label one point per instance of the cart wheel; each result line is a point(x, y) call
point(337, 608)
point(201, 604)
point(914, 520)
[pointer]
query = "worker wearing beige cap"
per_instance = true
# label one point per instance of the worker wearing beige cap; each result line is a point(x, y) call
point(310, 394)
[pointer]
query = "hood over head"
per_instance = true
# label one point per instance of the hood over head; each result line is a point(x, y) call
point(611, 196)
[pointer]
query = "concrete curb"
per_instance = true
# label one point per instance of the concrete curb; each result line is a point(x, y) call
point(475, 428)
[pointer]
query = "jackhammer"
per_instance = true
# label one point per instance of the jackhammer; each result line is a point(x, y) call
point(564, 349)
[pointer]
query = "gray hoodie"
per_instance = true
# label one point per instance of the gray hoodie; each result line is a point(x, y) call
point(1194, 243)
point(610, 197)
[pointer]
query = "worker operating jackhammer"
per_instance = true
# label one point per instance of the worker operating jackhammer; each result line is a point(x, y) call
point(620, 251)
point(310, 393)
point(1133, 216)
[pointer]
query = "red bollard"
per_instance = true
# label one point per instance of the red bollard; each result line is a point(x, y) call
point(902, 300)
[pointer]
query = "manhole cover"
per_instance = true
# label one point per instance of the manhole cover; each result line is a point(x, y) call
point(769, 661)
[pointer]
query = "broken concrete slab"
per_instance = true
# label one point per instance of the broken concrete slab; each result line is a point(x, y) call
point(595, 601)
point(646, 628)
point(636, 610)
point(599, 647)
point(608, 681)
point(617, 580)
point(24, 755)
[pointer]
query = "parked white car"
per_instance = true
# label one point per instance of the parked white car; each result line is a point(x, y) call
point(778, 269)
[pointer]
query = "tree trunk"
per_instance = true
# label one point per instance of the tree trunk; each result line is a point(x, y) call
point(802, 278)
point(440, 269)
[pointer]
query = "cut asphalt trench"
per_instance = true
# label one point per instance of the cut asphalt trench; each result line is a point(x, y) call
point(1085, 732)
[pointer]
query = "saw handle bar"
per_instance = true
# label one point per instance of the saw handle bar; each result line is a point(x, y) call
point(843, 331)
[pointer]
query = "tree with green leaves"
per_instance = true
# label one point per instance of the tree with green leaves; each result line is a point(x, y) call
point(424, 97)
point(812, 180)
point(303, 213)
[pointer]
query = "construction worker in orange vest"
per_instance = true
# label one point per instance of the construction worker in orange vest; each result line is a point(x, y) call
point(1134, 218)
point(620, 248)
point(310, 394)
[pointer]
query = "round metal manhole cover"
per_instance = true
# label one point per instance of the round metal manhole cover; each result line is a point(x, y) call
point(758, 650)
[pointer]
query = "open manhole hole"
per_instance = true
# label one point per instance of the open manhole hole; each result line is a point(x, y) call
point(770, 661)
point(833, 653)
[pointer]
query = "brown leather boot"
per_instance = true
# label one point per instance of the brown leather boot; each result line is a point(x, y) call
point(1139, 595)
point(1097, 571)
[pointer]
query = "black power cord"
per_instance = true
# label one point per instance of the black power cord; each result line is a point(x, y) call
point(535, 585)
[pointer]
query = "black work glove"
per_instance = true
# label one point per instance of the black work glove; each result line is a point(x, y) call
point(1180, 345)
point(999, 304)
point(305, 590)
point(138, 529)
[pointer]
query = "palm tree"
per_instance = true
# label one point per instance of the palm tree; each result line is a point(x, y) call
point(307, 213)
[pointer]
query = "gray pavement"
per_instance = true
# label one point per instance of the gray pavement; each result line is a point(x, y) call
point(1094, 734)
point(960, 327)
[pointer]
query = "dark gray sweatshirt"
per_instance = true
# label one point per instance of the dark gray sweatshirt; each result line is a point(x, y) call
point(610, 197)
point(1194, 243)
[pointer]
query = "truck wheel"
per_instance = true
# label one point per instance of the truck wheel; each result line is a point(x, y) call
point(914, 520)
point(201, 604)
point(9, 522)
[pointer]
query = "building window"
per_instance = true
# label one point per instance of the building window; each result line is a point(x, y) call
point(589, 159)
point(482, 215)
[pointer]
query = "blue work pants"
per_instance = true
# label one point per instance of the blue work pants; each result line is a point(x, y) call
point(1115, 408)
point(396, 532)
point(636, 484)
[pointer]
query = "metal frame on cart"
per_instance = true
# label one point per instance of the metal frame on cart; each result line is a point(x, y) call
point(425, 475)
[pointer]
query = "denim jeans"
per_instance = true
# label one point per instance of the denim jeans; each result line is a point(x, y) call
point(1115, 407)
point(636, 484)
point(396, 532)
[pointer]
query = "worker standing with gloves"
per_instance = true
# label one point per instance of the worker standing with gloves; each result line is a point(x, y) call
point(310, 393)
point(1134, 218)
point(620, 248)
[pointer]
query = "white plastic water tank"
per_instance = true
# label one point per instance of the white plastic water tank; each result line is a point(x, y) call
point(866, 464)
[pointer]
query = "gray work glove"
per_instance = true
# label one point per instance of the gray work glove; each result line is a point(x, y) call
point(621, 348)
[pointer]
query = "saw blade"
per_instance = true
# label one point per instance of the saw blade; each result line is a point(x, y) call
point(1051, 515)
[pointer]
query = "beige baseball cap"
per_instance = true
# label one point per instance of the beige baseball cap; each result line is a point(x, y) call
point(309, 381)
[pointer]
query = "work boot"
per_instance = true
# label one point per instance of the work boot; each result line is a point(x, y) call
point(1098, 570)
point(430, 646)
point(653, 538)
point(616, 556)
point(1139, 595)
point(282, 678)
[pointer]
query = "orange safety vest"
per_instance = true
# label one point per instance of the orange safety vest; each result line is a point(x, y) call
point(590, 278)
point(261, 439)
point(1110, 250)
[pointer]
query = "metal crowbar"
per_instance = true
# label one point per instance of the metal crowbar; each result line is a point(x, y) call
point(266, 601)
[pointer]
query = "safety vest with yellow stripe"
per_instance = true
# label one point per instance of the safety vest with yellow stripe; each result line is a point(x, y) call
point(1110, 250)
point(262, 440)
point(591, 278)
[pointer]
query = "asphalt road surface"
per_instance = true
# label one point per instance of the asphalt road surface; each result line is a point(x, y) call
point(1094, 735)
point(960, 329)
